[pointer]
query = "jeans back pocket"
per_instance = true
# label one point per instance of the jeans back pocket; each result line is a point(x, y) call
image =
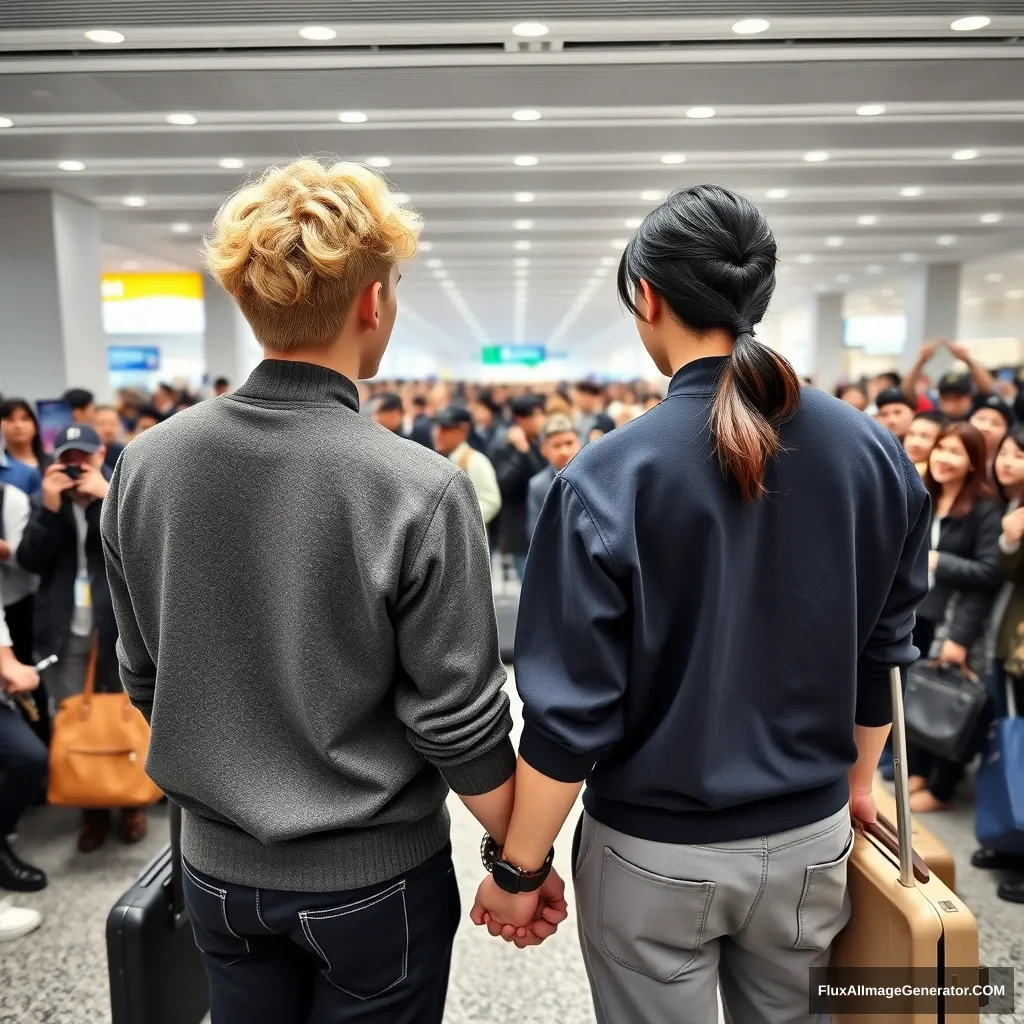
point(649, 923)
point(207, 906)
point(364, 945)
point(824, 907)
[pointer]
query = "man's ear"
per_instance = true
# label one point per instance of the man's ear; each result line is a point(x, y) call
point(368, 305)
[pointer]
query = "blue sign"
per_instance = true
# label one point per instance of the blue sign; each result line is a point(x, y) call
point(132, 357)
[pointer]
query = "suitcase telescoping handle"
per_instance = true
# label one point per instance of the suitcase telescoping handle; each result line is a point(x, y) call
point(899, 759)
point(177, 890)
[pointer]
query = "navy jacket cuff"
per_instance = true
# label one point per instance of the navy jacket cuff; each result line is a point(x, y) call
point(552, 759)
point(874, 701)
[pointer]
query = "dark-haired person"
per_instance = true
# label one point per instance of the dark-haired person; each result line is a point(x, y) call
point(588, 399)
point(421, 429)
point(146, 417)
point(165, 400)
point(517, 461)
point(673, 644)
point(895, 412)
point(882, 382)
point(921, 438)
point(221, 386)
point(107, 423)
point(993, 417)
point(956, 390)
point(82, 404)
point(965, 573)
point(855, 395)
point(1008, 623)
point(487, 425)
point(21, 437)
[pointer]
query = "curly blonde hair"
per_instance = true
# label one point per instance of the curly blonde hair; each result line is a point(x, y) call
point(297, 246)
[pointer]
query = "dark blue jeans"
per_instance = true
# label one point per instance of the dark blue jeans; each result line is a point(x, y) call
point(378, 955)
point(23, 765)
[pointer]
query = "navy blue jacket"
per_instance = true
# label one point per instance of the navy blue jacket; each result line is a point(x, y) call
point(700, 661)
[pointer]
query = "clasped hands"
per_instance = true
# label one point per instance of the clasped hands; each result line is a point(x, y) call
point(526, 919)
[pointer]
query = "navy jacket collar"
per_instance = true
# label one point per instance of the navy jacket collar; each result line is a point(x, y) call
point(699, 377)
point(281, 380)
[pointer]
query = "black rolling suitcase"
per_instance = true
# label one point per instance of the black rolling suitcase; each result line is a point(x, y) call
point(506, 610)
point(156, 971)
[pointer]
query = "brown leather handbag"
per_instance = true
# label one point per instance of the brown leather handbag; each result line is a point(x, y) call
point(98, 751)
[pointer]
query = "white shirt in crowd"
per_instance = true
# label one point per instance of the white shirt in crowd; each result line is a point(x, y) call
point(481, 473)
point(15, 583)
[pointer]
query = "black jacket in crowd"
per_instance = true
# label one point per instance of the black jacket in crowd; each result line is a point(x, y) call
point(49, 548)
point(515, 470)
point(970, 570)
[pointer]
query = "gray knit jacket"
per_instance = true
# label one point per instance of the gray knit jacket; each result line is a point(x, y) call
point(304, 607)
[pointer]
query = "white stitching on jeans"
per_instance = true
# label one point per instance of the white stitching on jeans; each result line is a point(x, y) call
point(259, 915)
point(222, 895)
point(205, 886)
point(350, 908)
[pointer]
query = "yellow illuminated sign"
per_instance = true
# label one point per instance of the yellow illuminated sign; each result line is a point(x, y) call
point(133, 286)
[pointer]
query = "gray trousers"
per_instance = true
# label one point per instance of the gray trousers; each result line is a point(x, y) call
point(664, 926)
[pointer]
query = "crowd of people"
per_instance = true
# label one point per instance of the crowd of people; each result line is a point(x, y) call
point(965, 435)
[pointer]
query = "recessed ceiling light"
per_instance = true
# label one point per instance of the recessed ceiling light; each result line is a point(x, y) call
point(523, 225)
point(867, 220)
point(652, 195)
point(231, 163)
point(6, 122)
point(909, 257)
point(875, 268)
point(911, 191)
point(526, 161)
point(843, 278)
point(994, 278)
point(104, 35)
point(353, 117)
point(182, 119)
point(426, 246)
point(524, 197)
point(317, 33)
point(701, 113)
point(134, 201)
point(805, 258)
point(435, 263)
point(991, 218)
point(777, 193)
point(130, 265)
point(946, 240)
point(970, 24)
point(608, 261)
point(181, 228)
point(871, 109)
point(530, 29)
point(620, 243)
point(751, 26)
point(526, 115)
point(817, 156)
point(633, 222)
point(965, 154)
point(1015, 293)
point(71, 165)
point(523, 245)
point(834, 241)
point(673, 158)
point(379, 161)
point(522, 261)
point(400, 197)
point(440, 274)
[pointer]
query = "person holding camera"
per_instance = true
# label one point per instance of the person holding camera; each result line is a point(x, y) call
point(62, 545)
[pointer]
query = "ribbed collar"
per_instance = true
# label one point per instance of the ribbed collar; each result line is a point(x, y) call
point(699, 377)
point(281, 380)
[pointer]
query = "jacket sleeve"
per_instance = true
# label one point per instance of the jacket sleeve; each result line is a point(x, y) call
point(451, 697)
point(572, 641)
point(891, 641)
point(136, 661)
point(486, 483)
point(515, 469)
point(984, 572)
point(534, 502)
point(40, 543)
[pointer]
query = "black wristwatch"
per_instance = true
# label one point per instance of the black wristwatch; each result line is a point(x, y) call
point(508, 876)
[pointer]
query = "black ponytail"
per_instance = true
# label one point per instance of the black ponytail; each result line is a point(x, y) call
point(710, 254)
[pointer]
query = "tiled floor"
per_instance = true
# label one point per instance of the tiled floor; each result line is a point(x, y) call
point(58, 975)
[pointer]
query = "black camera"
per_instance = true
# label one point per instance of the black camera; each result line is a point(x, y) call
point(74, 472)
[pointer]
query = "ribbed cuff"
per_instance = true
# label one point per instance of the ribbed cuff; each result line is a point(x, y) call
point(1006, 547)
point(874, 701)
point(483, 773)
point(552, 759)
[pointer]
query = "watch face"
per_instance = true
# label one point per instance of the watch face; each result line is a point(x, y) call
point(506, 877)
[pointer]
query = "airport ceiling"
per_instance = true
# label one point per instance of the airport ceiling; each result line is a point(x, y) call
point(533, 134)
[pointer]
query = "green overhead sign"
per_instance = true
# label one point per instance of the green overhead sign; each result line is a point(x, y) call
point(513, 355)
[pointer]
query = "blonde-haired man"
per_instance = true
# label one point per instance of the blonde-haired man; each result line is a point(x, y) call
point(305, 611)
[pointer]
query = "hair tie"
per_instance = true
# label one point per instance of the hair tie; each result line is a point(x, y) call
point(742, 327)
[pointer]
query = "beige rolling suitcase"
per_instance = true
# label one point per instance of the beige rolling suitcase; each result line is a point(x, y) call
point(907, 926)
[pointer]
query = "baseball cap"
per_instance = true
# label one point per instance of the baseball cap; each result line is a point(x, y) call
point(956, 384)
point(453, 416)
point(893, 396)
point(77, 438)
point(995, 403)
point(559, 423)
